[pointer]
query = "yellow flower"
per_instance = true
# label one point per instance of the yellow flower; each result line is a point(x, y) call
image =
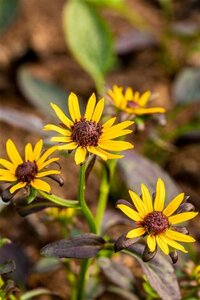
point(86, 133)
point(155, 221)
point(132, 102)
point(28, 172)
point(61, 213)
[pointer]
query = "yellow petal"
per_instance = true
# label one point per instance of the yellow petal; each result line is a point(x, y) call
point(135, 233)
point(179, 218)
point(151, 242)
point(145, 111)
point(129, 94)
point(175, 245)
point(70, 146)
point(80, 155)
point(97, 152)
point(17, 186)
point(110, 136)
point(37, 150)
point(90, 107)
point(29, 152)
point(74, 108)
point(46, 173)
point(45, 155)
point(109, 123)
point(8, 177)
point(162, 244)
point(5, 172)
point(138, 203)
point(115, 145)
point(130, 212)
point(58, 129)
point(61, 115)
point(160, 195)
point(13, 154)
point(98, 111)
point(47, 162)
point(39, 184)
point(110, 155)
point(178, 236)
point(144, 98)
point(7, 164)
point(61, 139)
point(173, 205)
point(146, 197)
point(117, 127)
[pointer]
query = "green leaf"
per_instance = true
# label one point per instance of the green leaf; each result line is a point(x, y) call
point(8, 11)
point(89, 39)
point(41, 93)
point(159, 272)
point(7, 267)
point(111, 3)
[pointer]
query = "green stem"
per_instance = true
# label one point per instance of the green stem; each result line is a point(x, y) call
point(81, 197)
point(82, 279)
point(104, 193)
point(60, 201)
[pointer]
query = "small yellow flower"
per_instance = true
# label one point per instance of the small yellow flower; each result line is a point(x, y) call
point(61, 213)
point(155, 221)
point(132, 102)
point(28, 172)
point(86, 133)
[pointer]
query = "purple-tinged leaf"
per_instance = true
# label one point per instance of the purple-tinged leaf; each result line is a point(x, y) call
point(82, 246)
point(7, 267)
point(159, 272)
point(136, 169)
point(117, 273)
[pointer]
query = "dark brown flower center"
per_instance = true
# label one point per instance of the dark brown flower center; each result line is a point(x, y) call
point(26, 171)
point(155, 222)
point(86, 133)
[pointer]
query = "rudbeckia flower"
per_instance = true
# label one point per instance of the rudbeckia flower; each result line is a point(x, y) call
point(27, 172)
point(132, 102)
point(86, 134)
point(155, 221)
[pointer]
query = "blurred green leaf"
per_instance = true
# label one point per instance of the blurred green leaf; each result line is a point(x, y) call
point(89, 39)
point(8, 12)
point(136, 169)
point(186, 87)
point(159, 272)
point(111, 3)
point(41, 93)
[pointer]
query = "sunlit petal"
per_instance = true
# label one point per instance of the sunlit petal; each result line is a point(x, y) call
point(37, 150)
point(146, 197)
point(151, 242)
point(17, 186)
point(61, 115)
point(80, 155)
point(98, 111)
point(178, 236)
point(179, 218)
point(160, 195)
point(39, 184)
point(115, 145)
point(138, 203)
point(90, 107)
point(173, 205)
point(29, 152)
point(130, 212)
point(74, 108)
point(13, 153)
point(135, 233)
point(162, 244)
